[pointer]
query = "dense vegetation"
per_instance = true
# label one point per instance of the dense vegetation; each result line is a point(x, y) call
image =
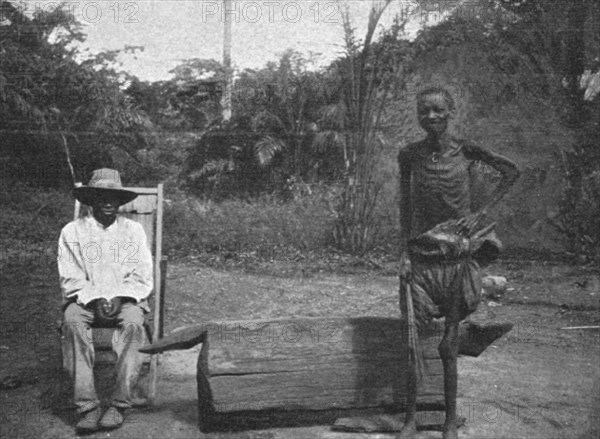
point(59, 118)
point(307, 160)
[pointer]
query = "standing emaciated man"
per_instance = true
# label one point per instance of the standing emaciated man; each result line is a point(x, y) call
point(105, 269)
point(442, 244)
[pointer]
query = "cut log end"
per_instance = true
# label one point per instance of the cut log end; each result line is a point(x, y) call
point(475, 338)
point(184, 338)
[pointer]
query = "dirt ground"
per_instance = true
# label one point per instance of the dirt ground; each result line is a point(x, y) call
point(539, 381)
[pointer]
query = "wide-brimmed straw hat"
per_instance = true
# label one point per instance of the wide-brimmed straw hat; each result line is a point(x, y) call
point(102, 182)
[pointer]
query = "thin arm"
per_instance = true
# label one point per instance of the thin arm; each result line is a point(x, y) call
point(506, 167)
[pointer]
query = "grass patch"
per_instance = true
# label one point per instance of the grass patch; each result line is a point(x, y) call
point(262, 228)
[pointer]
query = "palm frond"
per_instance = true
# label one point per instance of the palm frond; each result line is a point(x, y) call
point(267, 148)
point(214, 168)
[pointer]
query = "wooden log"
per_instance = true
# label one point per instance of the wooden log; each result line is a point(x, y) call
point(314, 364)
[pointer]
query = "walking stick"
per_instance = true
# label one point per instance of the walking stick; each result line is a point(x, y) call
point(415, 362)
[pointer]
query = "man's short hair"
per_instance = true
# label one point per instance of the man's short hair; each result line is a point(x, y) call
point(436, 90)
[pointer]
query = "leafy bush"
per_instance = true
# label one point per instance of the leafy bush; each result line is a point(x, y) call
point(580, 211)
point(272, 137)
point(30, 223)
point(61, 118)
point(31, 215)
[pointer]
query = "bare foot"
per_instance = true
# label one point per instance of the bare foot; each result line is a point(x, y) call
point(409, 430)
point(450, 432)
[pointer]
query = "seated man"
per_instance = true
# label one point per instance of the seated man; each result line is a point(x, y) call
point(105, 270)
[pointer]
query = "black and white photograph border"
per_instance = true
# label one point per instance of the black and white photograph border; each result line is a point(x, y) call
point(300, 219)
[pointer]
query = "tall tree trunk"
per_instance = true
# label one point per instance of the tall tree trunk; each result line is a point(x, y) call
point(68, 156)
point(226, 99)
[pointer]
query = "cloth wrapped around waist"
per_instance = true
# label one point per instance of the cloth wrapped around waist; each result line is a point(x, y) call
point(443, 244)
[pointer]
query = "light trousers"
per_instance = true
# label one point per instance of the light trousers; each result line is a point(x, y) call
point(78, 354)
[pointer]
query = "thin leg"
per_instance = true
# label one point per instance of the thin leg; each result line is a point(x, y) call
point(448, 349)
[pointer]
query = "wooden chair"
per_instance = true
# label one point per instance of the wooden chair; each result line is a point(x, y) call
point(146, 209)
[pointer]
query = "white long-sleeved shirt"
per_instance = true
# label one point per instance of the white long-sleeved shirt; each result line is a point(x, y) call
point(96, 262)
